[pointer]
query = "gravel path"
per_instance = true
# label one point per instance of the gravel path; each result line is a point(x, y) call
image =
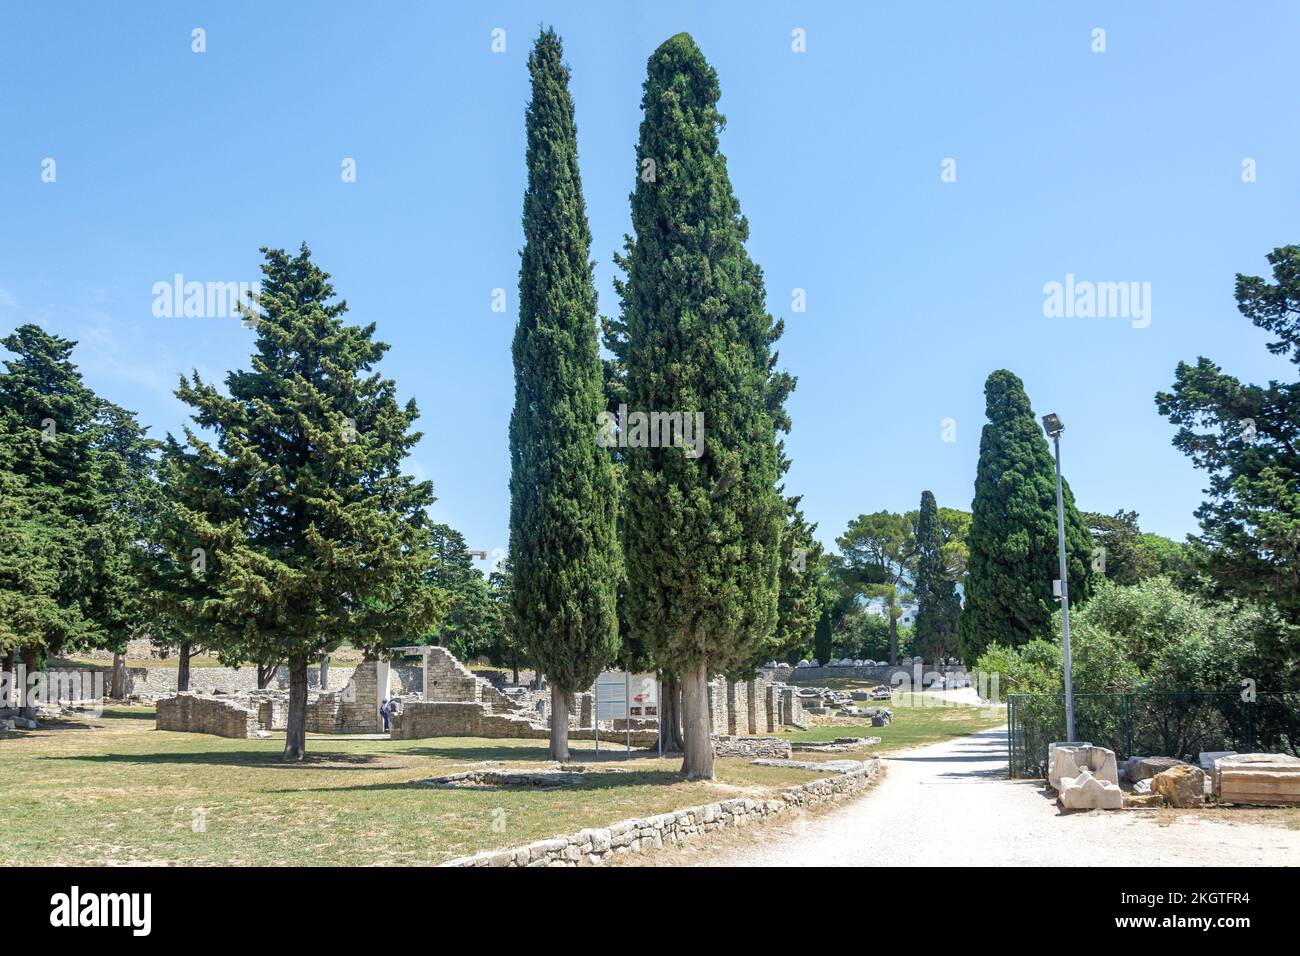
point(951, 803)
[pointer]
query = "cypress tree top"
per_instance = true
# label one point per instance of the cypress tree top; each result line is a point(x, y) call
point(1013, 541)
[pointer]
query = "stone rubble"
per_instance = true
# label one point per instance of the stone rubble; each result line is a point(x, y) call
point(1143, 768)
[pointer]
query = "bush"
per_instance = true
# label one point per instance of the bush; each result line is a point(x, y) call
point(1150, 635)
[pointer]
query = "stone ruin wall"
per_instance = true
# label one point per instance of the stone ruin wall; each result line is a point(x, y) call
point(472, 707)
point(207, 715)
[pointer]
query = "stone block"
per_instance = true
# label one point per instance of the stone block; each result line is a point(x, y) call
point(1089, 792)
point(1143, 768)
point(1206, 758)
point(1258, 779)
point(1143, 801)
point(1068, 759)
point(1181, 785)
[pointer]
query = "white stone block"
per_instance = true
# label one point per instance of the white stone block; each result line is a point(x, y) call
point(1068, 759)
point(1089, 792)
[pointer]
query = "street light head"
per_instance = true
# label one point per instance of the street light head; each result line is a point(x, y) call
point(1052, 423)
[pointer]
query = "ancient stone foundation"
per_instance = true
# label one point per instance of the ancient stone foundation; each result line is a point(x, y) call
point(731, 746)
point(206, 715)
point(433, 718)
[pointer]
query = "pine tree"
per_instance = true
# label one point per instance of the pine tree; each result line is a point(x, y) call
point(934, 634)
point(75, 478)
point(702, 530)
point(298, 509)
point(1246, 437)
point(1013, 543)
point(177, 592)
point(468, 629)
point(563, 487)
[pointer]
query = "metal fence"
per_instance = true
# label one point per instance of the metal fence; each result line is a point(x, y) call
point(1151, 723)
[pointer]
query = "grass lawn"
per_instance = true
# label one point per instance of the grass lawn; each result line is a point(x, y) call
point(911, 726)
point(115, 791)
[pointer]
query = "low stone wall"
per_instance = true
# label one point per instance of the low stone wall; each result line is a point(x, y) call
point(207, 680)
point(437, 718)
point(206, 715)
point(592, 847)
point(732, 746)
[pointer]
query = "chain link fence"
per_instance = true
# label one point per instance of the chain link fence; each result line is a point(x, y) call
point(1151, 723)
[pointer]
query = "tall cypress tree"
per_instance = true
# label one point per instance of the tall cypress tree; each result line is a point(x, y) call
point(702, 531)
point(303, 522)
point(563, 488)
point(934, 635)
point(1013, 545)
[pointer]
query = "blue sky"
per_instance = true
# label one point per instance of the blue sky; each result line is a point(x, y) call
point(1116, 166)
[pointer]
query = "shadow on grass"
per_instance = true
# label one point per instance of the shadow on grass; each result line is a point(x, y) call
point(490, 752)
point(592, 782)
point(141, 714)
point(329, 760)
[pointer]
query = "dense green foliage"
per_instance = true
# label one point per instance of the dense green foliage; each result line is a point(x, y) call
point(1247, 437)
point(703, 534)
point(803, 588)
point(310, 532)
point(472, 624)
point(1151, 634)
point(563, 488)
point(934, 633)
point(75, 497)
point(875, 562)
point(1013, 540)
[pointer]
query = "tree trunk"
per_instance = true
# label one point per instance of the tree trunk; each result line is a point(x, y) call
point(295, 737)
point(698, 762)
point(183, 666)
point(324, 672)
point(514, 667)
point(893, 639)
point(27, 706)
point(117, 689)
point(265, 674)
point(559, 724)
point(670, 715)
point(11, 679)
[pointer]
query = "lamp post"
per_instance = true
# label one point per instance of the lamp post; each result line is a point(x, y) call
point(1052, 425)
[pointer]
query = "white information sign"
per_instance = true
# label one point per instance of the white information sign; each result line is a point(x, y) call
point(620, 695)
